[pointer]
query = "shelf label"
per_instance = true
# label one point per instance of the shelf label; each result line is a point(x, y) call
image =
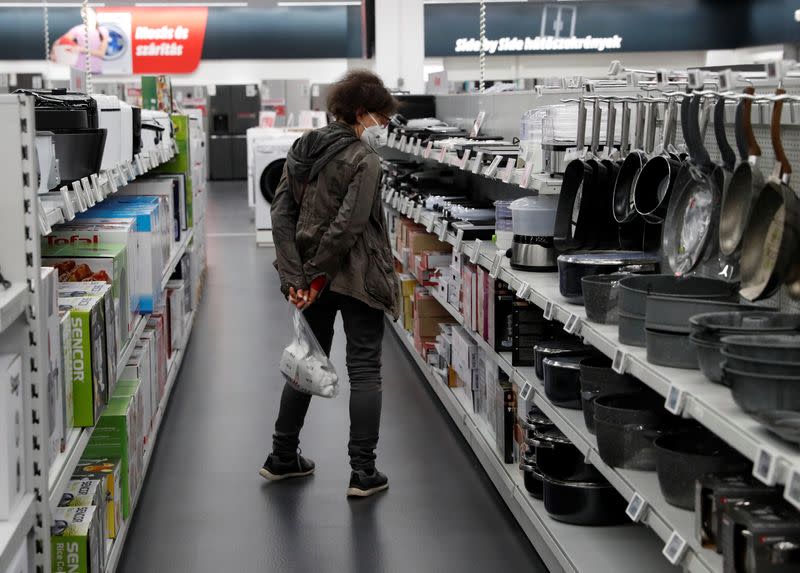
point(76, 189)
point(418, 150)
point(403, 140)
point(524, 290)
point(573, 324)
point(442, 154)
point(765, 466)
point(496, 264)
point(428, 149)
point(98, 189)
point(418, 213)
point(459, 239)
point(476, 255)
point(492, 170)
point(525, 392)
point(476, 167)
point(392, 138)
point(675, 548)
point(465, 159)
point(431, 224)
point(618, 364)
point(636, 508)
point(509, 170)
point(792, 491)
point(140, 164)
point(44, 224)
point(111, 181)
point(675, 400)
point(443, 231)
point(411, 147)
point(548, 310)
point(526, 175)
point(68, 210)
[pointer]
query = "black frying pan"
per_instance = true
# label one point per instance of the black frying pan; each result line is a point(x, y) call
point(745, 184)
point(724, 171)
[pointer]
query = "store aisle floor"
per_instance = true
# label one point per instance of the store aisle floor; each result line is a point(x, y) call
point(204, 508)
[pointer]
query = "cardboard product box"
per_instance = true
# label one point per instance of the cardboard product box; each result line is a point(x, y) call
point(169, 190)
point(77, 540)
point(428, 326)
point(113, 343)
point(156, 323)
point(48, 313)
point(12, 434)
point(152, 258)
point(505, 420)
point(431, 260)
point(66, 369)
point(103, 263)
point(88, 356)
point(469, 296)
point(182, 163)
point(117, 435)
point(407, 286)
point(175, 305)
point(109, 472)
point(20, 563)
point(483, 302)
point(149, 340)
point(501, 327)
point(133, 389)
point(464, 353)
point(419, 241)
point(113, 231)
point(87, 493)
point(452, 378)
point(427, 306)
point(139, 368)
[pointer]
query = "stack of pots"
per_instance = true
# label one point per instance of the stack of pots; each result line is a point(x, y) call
point(573, 491)
point(597, 379)
point(536, 422)
point(709, 329)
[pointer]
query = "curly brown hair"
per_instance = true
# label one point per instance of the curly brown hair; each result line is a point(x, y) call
point(360, 91)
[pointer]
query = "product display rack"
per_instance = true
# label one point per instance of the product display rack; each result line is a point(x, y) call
point(176, 257)
point(710, 404)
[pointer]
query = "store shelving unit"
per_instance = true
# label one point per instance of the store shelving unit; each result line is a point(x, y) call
point(176, 256)
point(13, 302)
point(709, 404)
point(14, 530)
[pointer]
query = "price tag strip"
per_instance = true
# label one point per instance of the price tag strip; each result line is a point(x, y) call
point(76, 189)
point(442, 154)
point(492, 170)
point(476, 167)
point(459, 239)
point(549, 307)
point(418, 150)
point(428, 149)
point(431, 225)
point(765, 466)
point(496, 264)
point(675, 548)
point(525, 392)
point(418, 213)
point(573, 324)
point(68, 209)
point(392, 139)
point(636, 508)
point(509, 171)
point(465, 159)
point(44, 224)
point(526, 176)
point(675, 400)
point(443, 231)
point(476, 254)
point(523, 291)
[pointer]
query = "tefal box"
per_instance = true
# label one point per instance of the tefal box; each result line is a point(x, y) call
point(108, 471)
point(102, 263)
point(12, 434)
point(87, 344)
point(77, 540)
point(112, 231)
point(48, 313)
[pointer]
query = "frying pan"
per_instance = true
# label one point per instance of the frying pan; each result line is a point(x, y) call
point(723, 172)
point(654, 184)
point(745, 185)
point(692, 214)
point(610, 230)
point(770, 241)
point(578, 200)
point(598, 191)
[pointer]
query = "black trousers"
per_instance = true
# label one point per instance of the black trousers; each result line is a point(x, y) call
point(363, 327)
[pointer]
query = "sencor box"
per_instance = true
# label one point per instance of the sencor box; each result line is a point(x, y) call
point(77, 540)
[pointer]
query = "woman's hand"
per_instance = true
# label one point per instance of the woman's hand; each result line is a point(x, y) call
point(302, 298)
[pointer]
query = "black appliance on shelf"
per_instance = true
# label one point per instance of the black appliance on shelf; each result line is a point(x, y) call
point(234, 109)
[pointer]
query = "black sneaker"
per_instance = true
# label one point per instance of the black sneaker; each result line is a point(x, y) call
point(365, 484)
point(276, 469)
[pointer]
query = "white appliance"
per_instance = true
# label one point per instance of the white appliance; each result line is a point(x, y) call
point(266, 151)
point(110, 116)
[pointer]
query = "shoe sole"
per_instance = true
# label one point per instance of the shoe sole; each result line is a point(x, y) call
point(267, 475)
point(355, 492)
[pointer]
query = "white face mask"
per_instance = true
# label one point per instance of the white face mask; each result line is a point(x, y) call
point(374, 136)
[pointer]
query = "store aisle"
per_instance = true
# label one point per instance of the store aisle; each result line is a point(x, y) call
point(204, 509)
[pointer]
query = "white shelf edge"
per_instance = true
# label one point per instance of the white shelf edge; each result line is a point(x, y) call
point(13, 302)
point(176, 257)
point(66, 462)
point(14, 530)
point(113, 558)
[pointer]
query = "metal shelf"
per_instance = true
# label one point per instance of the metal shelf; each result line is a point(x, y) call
point(114, 555)
point(561, 546)
point(13, 301)
point(64, 465)
point(710, 404)
point(176, 257)
point(14, 530)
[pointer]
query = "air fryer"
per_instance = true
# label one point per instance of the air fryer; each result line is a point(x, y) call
point(270, 179)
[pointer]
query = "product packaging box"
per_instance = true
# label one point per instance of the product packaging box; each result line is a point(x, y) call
point(103, 263)
point(407, 286)
point(113, 342)
point(116, 435)
point(48, 313)
point(464, 353)
point(12, 434)
point(182, 163)
point(66, 369)
point(77, 542)
point(150, 237)
point(175, 310)
point(112, 231)
point(108, 471)
point(139, 368)
point(483, 302)
point(149, 340)
point(419, 241)
point(156, 324)
point(505, 418)
point(166, 189)
point(87, 493)
point(88, 356)
point(133, 389)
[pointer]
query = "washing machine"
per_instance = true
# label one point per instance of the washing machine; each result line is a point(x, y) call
point(268, 151)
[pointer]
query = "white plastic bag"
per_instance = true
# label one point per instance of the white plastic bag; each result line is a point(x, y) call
point(304, 364)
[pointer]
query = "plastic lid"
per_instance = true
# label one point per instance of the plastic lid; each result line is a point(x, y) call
point(559, 346)
point(610, 258)
point(537, 203)
point(552, 435)
point(566, 362)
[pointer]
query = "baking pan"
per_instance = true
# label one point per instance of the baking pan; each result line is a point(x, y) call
point(601, 297)
point(709, 358)
point(584, 503)
point(562, 381)
point(683, 457)
point(774, 347)
point(635, 289)
point(766, 367)
point(672, 314)
point(671, 349)
point(756, 393)
point(715, 325)
point(631, 329)
point(558, 458)
point(598, 379)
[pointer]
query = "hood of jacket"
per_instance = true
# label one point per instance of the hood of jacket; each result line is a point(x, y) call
point(312, 152)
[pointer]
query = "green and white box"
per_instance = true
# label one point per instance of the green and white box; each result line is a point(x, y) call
point(139, 368)
point(86, 492)
point(77, 541)
point(108, 471)
point(66, 368)
point(87, 345)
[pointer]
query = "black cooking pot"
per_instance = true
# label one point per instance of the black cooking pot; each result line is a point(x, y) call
point(574, 266)
point(599, 379)
point(535, 421)
point(626, 427)
point(559, 459)
point(683, 457)
point(554, 348)
point(584, 503)
point(562, 381)
point(533, 477)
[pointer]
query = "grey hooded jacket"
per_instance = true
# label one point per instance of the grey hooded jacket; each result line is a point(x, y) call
point(327, 219)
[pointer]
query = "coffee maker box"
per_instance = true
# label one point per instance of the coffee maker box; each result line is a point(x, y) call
point(77, 540)
point(12, 434)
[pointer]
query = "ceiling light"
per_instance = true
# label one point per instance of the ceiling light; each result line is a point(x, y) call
point(306, 4)
point(191, 4)
point(40, 5)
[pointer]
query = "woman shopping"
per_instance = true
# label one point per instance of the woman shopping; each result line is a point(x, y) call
point(334, 256)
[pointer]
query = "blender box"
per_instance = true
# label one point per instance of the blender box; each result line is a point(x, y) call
point(116, 435)
point(113, 343)
point(48, 312)
point(66, 368)
point(12, 434)
point(108, 471)
point(104, 263)
point(139, 368)
point(148, 234)
point(87, 343)
point(112, 231)
point(77, 540)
